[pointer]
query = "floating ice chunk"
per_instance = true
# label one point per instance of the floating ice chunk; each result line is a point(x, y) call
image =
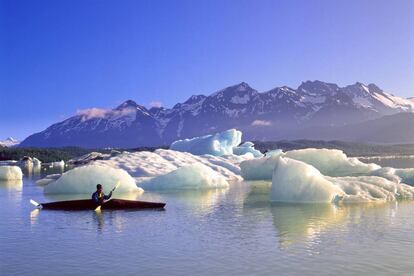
point(332, 162)
point(58, 164)
point(193, 177)
point(247, 147)
point(215, 144)
point(36, 162)
point(10, 173)
point(160, 162)
point(371, 189)
point(48, 179)
point(296, 181)
point(406, 175)
point(259, 168)
point(87, 158)
point(83, 180)
point(273, 152)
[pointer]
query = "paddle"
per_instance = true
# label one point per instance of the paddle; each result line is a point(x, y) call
point(38, 205)
point(116, 186)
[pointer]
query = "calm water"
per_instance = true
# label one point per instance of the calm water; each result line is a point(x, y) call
point(221, 232)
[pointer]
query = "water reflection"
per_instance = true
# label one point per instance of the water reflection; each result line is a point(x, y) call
point(34, 215)
point(30, 171)
point(307, 223)
point(11, 185)
point(201, 202)
point(303, 222)
point(98, 218)
point(258, 195)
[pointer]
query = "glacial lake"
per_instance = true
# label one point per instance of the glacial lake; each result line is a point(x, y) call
point(235, 231)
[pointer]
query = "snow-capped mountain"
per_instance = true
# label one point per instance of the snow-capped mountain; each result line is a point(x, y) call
point(9, 142)
point(273, 114)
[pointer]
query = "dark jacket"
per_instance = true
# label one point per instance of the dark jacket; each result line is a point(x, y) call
point(99, 197)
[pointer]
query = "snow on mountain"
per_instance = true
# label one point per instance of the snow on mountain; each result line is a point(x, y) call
point(9, 142)
point(283, 109)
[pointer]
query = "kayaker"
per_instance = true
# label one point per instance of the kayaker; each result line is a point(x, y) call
point(99, 196)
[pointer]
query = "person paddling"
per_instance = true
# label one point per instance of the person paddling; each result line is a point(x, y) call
point(99, 196)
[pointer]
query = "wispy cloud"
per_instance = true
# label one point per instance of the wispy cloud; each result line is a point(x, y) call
point(261, 123)
point(155, 104)
point(94, 112)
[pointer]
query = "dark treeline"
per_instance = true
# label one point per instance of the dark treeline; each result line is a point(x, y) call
point(56, 154)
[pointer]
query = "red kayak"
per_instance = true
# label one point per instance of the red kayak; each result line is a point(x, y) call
point(89, 204)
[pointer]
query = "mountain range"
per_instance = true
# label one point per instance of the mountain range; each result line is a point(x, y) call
point(9, 142)
point(315, 109)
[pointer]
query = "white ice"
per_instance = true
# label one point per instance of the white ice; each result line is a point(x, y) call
point(296, 181)
point(259, 168)
point(193, 177)
point(160, 162)
point(57, 164)
point(36, 162)
point(215, 144)
point(48, 179)
point(10, 173)
point(83, 180)
point(245, 148)
point(332, 162)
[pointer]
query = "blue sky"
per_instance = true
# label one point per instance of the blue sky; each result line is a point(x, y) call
point(57, 57)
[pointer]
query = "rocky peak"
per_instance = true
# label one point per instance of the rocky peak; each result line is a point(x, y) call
point(127, 104)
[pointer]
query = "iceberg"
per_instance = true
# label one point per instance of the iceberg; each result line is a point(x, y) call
point(332, 162)
point(246, 148)
point(160, 162)
point(371, 189)
point(193, 177)
point(406, 175)
point(10, 173)
point(60, 163)
point(296, 181)
point(215, 144)
point(48, 179)
point(36, 162)
point(83, 180)
point(259, 168)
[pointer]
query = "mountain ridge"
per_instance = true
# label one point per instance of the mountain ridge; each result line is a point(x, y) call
point(272, 114)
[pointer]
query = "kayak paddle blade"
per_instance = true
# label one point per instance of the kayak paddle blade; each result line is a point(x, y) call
point(35, 203)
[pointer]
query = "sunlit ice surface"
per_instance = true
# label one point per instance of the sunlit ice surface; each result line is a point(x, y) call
point(235, 230)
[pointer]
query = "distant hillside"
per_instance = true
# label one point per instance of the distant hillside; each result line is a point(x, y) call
point(391, 129)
